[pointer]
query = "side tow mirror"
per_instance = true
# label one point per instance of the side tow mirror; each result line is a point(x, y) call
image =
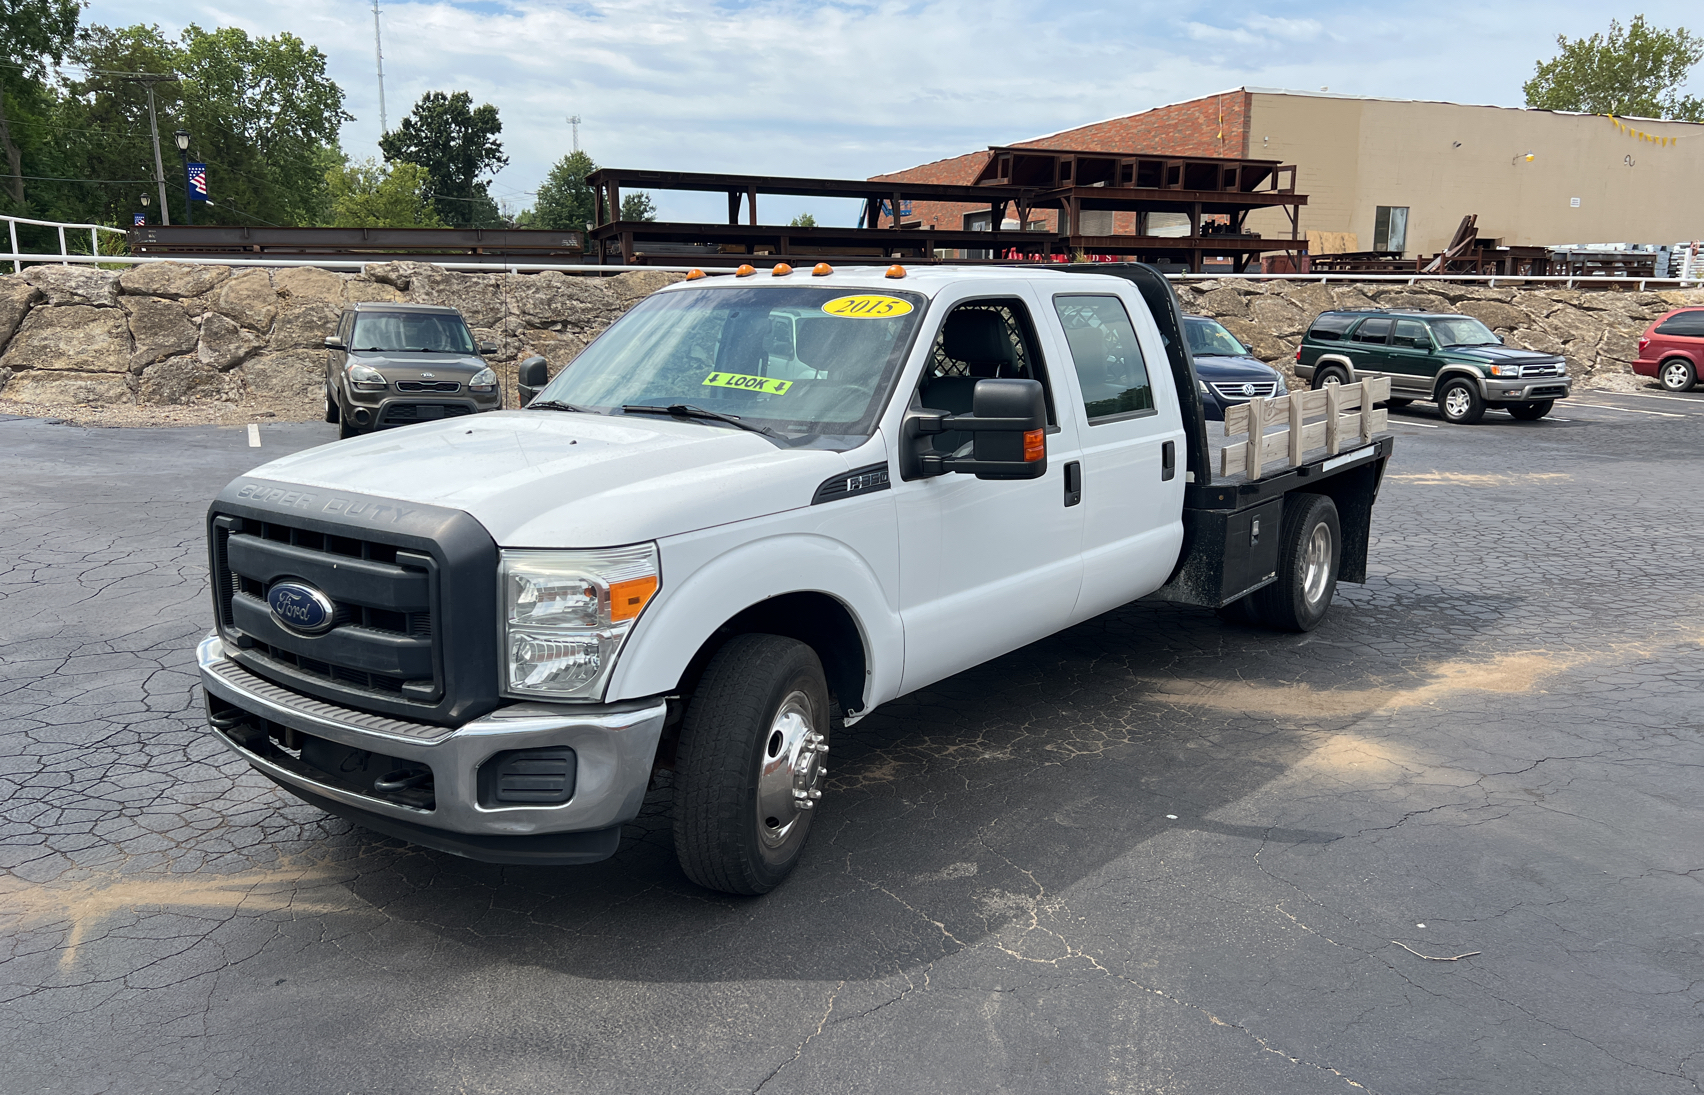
point(332, 342)
point(1008, 428)
point(487, 348)
point(533, 375)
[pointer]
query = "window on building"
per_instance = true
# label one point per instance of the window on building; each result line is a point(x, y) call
point(1390, 228)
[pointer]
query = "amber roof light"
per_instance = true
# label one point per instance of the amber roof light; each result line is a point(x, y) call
point(781, 270)
point(896, 271)
point(694, 275)
point(745, 271)
point(821, 269)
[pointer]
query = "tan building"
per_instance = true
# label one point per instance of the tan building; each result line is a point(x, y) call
point(1399, 175)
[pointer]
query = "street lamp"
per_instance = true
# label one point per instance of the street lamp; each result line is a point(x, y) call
point(181, 136)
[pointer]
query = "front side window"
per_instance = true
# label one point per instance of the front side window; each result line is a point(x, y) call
point(809, 364)
point(419, 332)
point(1411, 333)
point(1208, 338)
point(1463, 331)
point(1373, 330)
point(1110, 368)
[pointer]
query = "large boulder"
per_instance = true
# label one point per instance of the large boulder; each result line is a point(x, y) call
point(183, 380)
point(296, 376)
point(1277, 316)
point(555, 347)
point(398, 275)
point(1312, 298)
point(158, 329)
point(65, 389)
point(67, 284)
point(304, 326)
point(75, 338)
point(361, 290)
point(1223, 302)
point(16, 297)
point(249, 299)
point(1493, 314)
point(632, 287)
point(478, 297)
point(538, 300)
point(223, 344)
point(175, 280)
point(308, 283)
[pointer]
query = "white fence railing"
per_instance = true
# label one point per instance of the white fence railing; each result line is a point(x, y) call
point(18, 258)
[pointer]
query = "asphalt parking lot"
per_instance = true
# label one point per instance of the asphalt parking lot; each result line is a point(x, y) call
point(1453, 841)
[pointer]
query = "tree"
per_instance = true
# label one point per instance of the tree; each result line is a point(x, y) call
point(455, 143)
point(33, 34)
point(803, 220)
point(1636, 71)
point(564, 202)
point(638, 206)
point(366, 194)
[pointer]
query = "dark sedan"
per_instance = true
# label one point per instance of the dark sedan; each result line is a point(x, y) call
point(1229, 374)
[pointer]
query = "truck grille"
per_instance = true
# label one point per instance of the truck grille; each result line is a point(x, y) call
point(1548, 369)
point(381, 639)
point(1238, 390)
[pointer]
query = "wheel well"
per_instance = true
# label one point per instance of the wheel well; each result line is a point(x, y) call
point(1448, 375)
point(816, 619)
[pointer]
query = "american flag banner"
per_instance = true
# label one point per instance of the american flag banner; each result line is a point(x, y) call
point(198, 182)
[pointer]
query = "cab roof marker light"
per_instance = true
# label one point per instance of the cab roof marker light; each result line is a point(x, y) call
point(781, 270)
point(896, 271)
point(694, 275)
point(745, 271)
point(821, 269)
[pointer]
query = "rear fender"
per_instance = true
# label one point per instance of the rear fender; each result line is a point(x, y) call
point(686, 616)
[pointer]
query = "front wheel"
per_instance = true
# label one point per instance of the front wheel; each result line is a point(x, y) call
point(1329, 375)
point(332, 413)
point(1531, 411)
point(1459, 402)
point(1677, 375)
point(1308, 554)
point(748, 769)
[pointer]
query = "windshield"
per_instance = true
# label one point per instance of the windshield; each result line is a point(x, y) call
point(1209, 339)
point(1463, 331)
point(805, 363)
point(436, 333)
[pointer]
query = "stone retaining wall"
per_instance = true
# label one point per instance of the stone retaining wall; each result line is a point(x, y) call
point(176, 333)
point(1597, 329)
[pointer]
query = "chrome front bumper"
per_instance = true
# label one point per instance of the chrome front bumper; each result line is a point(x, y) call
point(614, 747)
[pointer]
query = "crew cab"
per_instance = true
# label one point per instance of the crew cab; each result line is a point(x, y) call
point(1453, 360)
point(752, 511)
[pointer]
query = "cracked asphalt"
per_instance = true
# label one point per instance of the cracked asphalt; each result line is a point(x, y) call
point(1453, 841)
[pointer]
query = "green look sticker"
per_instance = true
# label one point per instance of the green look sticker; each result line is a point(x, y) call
point(748, 383)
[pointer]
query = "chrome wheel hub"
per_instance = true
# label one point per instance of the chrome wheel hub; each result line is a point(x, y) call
point(1456, 402)
point(1316, 564)
point(790, 773)
point(1674, 377)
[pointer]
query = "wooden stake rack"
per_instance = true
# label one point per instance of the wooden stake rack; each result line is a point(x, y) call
point(1347, 419)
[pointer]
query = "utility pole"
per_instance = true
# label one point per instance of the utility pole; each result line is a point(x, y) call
point(574, 120)
point(148, 80)
point(379, 54)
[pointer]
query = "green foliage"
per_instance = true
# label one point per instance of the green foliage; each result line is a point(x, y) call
point(564, 201)
point(1636, 71)
point(455, 143)
point(638, 206)
point(803, 220)
point(33, 34)
point(366, 194)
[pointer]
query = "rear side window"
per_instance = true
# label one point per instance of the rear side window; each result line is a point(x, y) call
point(1373, 330)
point(1110, 368)
point(1330, 327)
point(1684, 324)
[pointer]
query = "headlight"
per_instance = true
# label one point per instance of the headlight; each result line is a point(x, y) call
point(566, 614)
point(1505, 370)
point(483, 381)
point(1202, 384)
point(365, 378)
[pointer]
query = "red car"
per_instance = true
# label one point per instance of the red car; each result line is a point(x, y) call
point(1672, 349)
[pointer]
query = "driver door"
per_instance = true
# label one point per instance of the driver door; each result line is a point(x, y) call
point(986, 566)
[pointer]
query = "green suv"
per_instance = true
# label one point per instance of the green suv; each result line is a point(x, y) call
point(1453, 361)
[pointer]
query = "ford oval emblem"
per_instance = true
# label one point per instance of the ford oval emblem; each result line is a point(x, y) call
point(1248, 389)
point(301, 607)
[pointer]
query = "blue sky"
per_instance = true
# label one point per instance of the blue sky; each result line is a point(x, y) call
point(855, 88)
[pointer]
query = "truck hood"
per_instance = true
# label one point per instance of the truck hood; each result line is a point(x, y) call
point(1509, 354)
point(538, 479)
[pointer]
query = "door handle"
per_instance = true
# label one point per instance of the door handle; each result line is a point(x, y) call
point(1073, 483)
point(1168, 460)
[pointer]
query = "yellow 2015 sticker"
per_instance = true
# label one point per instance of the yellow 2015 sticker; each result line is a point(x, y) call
point(867, 306)
point(763, 384)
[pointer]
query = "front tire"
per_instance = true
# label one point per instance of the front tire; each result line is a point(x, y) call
point(347, 429)
point(1677, 375)
point(1330, 374)
point(1459, 401)
point(332, 413)
point(1308, 557)
point(1531, 411)
point(748, 769)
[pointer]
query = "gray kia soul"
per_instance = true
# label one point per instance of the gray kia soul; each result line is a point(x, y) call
point(397, 364)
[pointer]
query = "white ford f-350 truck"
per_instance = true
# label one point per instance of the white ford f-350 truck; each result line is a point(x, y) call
point(756, 508)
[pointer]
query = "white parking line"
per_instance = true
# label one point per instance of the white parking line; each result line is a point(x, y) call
point(1653, 395)
point(1418, 425)
point(1626, 410)
point(254, 435)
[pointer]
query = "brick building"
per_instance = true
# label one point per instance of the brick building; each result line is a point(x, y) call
point(1398, 175)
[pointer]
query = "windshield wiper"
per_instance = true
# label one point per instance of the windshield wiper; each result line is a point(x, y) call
point(556, 405)
point(684, 410)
